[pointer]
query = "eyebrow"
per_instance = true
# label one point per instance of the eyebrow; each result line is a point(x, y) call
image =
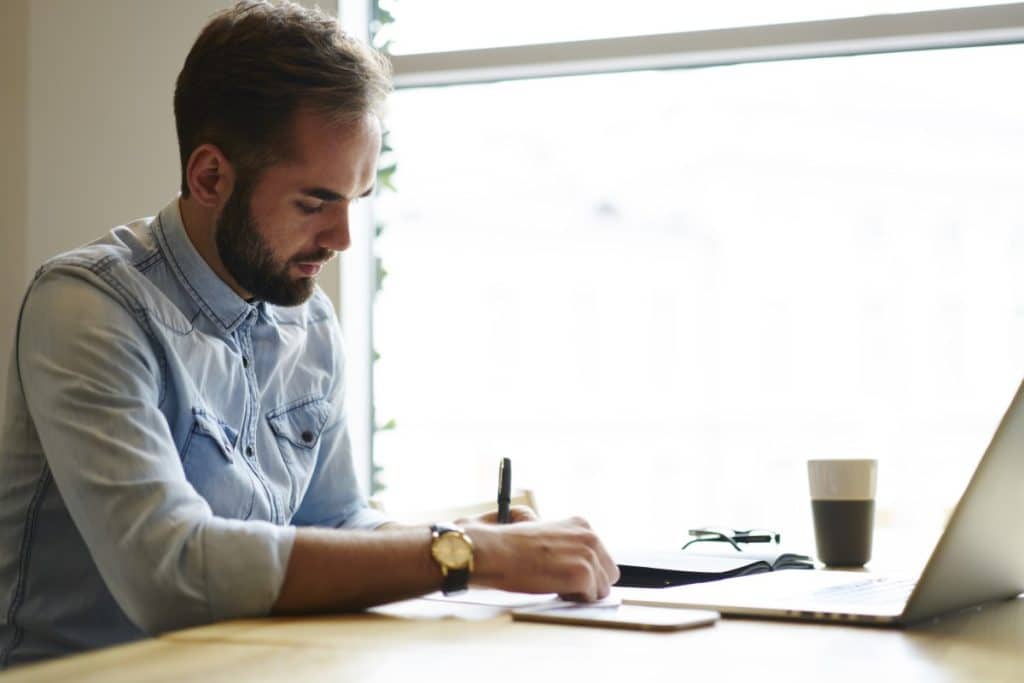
point(323, 194)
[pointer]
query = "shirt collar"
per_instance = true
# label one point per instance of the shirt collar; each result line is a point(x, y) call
point(215, 298)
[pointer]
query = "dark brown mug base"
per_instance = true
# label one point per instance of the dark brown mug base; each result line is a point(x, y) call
point(842, 531)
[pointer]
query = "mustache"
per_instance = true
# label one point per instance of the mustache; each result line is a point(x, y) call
point(319, 256)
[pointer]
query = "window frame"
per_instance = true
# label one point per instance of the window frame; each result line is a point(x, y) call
point(936, 29)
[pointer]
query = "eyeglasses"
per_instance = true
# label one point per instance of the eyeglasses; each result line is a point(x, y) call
point(733, 536)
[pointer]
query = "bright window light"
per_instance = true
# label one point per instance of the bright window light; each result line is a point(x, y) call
point(660, 293)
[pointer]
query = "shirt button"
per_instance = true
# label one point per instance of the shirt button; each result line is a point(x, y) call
point(307, 437)
point(249, 451)
point(245, 361)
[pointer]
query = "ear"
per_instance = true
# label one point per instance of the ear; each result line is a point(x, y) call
point(210, 175)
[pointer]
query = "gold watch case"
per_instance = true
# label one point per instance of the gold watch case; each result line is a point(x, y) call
point(452, 549)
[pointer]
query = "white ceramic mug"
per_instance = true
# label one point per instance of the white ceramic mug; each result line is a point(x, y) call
point(843, 505)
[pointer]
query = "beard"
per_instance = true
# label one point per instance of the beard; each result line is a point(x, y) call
point(249, 259)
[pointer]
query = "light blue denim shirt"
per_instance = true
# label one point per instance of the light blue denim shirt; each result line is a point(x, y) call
point(162, 435)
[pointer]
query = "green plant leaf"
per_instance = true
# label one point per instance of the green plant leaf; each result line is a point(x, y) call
point(384, 46)
point(376, 483)
point(385, 177)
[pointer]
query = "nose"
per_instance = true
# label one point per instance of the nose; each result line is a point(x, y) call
point(335, 236)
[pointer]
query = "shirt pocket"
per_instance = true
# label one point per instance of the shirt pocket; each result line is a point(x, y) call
point(213, 468)
point(297, 427)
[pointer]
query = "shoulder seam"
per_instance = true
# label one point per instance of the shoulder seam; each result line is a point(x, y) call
point(102, 269)
point(148, 262)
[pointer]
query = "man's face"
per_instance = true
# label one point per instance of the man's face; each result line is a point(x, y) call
point(275, 234)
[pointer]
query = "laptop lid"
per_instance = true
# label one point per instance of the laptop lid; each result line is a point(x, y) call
point(979, 556)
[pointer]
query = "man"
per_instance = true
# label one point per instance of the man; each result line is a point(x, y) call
point(175, 450)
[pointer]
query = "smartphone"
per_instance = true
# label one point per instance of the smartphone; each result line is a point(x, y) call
point(619, 616)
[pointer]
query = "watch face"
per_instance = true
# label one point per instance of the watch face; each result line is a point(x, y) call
point(452, 550)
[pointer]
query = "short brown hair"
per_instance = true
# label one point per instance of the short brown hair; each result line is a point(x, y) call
point(257, 63)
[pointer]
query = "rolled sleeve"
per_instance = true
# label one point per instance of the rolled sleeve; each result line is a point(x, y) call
point(92, 381)
point(367, 518)
point(234, 589)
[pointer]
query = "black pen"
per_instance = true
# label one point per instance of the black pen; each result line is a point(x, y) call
point(504, 489)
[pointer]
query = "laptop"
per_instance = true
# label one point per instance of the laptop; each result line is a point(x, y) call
point(979, 558)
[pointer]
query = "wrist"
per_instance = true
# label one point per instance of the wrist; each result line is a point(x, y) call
point(487, 544)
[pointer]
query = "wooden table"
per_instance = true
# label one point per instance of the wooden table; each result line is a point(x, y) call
point(984, 644)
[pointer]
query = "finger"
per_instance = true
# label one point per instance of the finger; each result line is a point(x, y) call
point(522, 513)
point(608, 564)
point(602, 557)
point(598, 556)
point(579, 521)
point(516, 513)
point(586, 591)
point(585, 576)
point(486, 518)
point(602, 579)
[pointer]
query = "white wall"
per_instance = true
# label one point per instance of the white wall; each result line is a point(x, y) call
point(86, 125)
point(13, 187)
point(102, 146)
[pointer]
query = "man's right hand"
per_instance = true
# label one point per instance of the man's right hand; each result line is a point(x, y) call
point(564, 557)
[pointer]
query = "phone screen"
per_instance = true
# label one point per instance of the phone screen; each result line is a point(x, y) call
point(620, 616)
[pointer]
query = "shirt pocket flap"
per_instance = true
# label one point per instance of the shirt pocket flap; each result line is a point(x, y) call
point(222, 434)
point(301, 423)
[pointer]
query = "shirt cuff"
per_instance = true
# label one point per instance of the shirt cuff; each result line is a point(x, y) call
point(365, 518)
point(246, 562)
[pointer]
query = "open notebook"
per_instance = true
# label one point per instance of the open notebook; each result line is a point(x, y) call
point(663, 568)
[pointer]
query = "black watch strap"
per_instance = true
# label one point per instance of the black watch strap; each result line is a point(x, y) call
point(456, 581)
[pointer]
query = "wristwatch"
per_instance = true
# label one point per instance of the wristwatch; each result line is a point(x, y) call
point(452, 549)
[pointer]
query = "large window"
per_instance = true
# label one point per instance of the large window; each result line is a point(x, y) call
point(660, 292)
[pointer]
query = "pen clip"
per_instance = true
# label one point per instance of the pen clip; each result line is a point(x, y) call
point(504, 479)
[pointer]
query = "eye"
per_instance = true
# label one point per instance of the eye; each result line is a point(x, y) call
point(309, 209)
